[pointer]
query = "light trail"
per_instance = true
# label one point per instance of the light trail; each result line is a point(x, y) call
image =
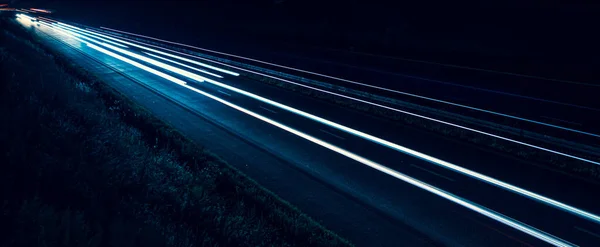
point(553, 240)
point(25, 11)
point(40, 10)
point(432, 189)
point(382, 106)
point(47, 19)
point(105, 40)
point(419, 155)
point(127, 60)
point(155, 51)
point(145, 59)
point(95, 36)
point(362, 53)
point(183, 65)
point(387, 107)
point(373, 86)
point(26, 17)
point(402, 111)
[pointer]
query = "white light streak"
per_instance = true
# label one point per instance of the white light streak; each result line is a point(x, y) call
point(387, 107)
point(183, 65)
point(428, 158)
point(376, 87)
point(156, 51)
point(432, 189)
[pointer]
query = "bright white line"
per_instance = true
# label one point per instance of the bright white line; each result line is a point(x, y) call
point(314, 73)
point(92, 35)
point(183, 65)
point(26, 16)
point(387, 107)
point(145, 59)
point(127, 60)
point(474, 207)
point(136, 64)
point(372, 86)
point(155, 51)
point(159, 64)
point(419, 155)
point(458, 200)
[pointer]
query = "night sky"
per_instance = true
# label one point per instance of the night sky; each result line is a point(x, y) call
point(512, 31)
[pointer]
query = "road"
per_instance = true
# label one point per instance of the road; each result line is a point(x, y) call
point(560, 102)
point(317, 155)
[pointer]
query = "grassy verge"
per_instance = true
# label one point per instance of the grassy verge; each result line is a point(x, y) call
point(86, 166)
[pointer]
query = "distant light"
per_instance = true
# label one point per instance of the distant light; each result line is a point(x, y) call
point(41, 10)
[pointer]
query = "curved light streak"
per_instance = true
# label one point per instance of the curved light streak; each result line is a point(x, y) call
point(371, 86)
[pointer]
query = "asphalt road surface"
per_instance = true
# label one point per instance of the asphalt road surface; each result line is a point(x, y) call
point(366, 178)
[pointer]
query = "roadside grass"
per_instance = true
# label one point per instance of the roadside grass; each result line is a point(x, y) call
point(85, 166)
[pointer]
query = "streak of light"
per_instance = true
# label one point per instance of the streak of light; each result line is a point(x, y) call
point(26, 17)
point(385, 107)
point(136, 64)
point(143, 58)
point(156, 51)
point(414, 153)
point(47, 19)
point(449, 196)
point(25, 11)
point(432, 189)
point(41, 10)
point(183, 65)
point(371, 86)
point(428, 158)
point(127, 60)
point(105, 40)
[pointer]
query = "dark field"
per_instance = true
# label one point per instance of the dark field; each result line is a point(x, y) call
point(84, 166)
